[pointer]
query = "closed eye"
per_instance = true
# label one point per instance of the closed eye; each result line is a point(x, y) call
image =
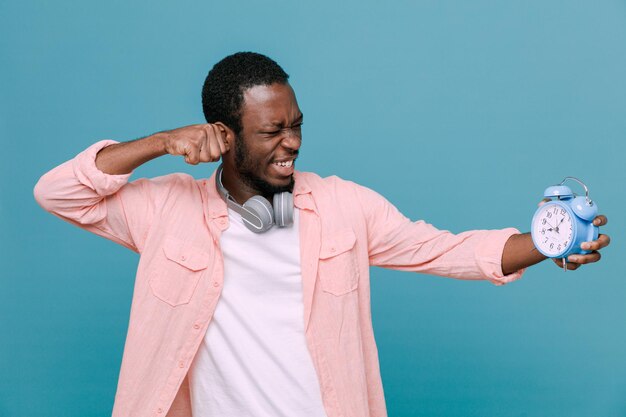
point(272, 133)
point(276, 132)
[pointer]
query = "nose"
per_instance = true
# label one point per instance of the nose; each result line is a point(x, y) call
point(292, 138)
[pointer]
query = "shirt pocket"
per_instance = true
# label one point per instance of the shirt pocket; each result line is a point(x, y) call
point(176, 276)
point(338, 267)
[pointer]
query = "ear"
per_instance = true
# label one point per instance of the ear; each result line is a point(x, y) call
point(228, 135)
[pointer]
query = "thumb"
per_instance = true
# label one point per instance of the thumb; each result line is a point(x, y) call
point(544, 201)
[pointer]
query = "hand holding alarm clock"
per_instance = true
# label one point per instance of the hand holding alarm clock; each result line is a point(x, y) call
point(565, 227)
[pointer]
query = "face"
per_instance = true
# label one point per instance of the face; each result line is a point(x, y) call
point(553, 229)
point(271, 136)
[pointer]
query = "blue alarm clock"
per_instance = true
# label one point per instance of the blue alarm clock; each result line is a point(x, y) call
point(563, 223)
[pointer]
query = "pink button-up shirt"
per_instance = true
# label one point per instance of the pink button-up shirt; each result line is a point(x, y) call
point(174, 222)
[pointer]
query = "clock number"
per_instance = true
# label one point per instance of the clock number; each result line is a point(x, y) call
point(543, 221)
point(548, 215)
point(545, 241)
point(559, 247)
point(563, 212)
point(551, 245)
point(543, 231)
point(556, 210)
point(565, 243)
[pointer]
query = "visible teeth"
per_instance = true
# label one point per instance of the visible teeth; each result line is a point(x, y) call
point(286, 164)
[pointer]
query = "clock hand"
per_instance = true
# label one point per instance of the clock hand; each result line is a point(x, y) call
point(557, 226)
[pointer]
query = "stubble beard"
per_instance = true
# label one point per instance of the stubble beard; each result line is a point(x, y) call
point(246, 169)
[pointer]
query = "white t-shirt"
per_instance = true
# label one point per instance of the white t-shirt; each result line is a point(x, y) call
point(253, 361)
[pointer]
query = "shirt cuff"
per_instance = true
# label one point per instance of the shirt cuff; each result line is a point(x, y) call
point(85, 170)
point(489, 256)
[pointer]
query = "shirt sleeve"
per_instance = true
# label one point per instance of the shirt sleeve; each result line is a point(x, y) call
point(396, 242)
point(107, 205)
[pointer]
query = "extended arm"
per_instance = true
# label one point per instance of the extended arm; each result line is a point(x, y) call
point(498, 255)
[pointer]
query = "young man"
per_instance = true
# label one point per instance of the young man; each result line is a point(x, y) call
point(233, 317)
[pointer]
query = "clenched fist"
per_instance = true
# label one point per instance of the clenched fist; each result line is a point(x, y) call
point(197, 143)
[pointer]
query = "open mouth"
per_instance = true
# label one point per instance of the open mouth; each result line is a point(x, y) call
point(283, 168)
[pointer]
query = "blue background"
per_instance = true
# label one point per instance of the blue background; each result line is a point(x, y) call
point(460, 113)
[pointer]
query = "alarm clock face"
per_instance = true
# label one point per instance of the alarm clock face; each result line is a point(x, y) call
point(552, 229)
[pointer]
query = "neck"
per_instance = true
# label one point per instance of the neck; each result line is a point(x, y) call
point(239, 189)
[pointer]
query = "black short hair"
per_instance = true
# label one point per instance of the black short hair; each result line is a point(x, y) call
point(224, 86)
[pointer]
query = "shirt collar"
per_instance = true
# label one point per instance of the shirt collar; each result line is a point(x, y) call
point(215, 207)
point(302, 193)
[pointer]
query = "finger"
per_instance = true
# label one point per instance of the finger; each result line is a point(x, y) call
point(585, 259)
point(570, 265)
point(601, 242)
point(220, 134)
point(205, 155)
point(544, 201)
point(216, 149)
point(600, 220)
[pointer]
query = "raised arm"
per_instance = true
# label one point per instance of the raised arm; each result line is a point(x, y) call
point(91, 190)
point(197, 143)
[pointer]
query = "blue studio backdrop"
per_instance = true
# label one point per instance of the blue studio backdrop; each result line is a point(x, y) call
point(459, 112)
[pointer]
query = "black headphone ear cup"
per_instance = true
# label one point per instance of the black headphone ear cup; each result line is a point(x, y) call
point(283, 209)
point(263, 210)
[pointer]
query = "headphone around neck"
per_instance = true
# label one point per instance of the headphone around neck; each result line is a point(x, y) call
point(257, 213)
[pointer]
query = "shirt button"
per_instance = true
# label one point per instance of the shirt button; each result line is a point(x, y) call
point(222, 221)
point(181, 364)
point(216, 284)
point(183, 258)
point(160, 410)
point(332, 249)
point(196, 326)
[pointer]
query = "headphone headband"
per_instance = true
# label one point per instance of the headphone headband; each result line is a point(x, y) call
point(257, 213)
